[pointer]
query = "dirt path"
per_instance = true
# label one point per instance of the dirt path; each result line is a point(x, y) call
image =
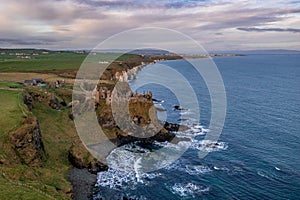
point(12, 89)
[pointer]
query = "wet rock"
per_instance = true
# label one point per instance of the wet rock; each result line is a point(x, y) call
point(178, 108)
point(175, 127)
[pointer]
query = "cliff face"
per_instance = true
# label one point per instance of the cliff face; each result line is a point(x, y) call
point(27, 143)
point(81, 158)
point(131, 117)
point(48, 98)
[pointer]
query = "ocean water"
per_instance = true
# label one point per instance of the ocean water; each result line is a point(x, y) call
point(258, 156)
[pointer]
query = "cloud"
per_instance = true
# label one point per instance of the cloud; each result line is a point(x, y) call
point(84, 23)
point(252, 29)
point(5, 41)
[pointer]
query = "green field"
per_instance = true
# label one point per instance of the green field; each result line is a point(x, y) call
point(10, 108)
point(10, 85)
point(52, 61)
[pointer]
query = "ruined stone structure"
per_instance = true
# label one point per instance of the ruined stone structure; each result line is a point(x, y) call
point(101, 93)
point(145, 97)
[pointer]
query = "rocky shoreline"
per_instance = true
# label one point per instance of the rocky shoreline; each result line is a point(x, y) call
point(82, 182)
point(83, 177)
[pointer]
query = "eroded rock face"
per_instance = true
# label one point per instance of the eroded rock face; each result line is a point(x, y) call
point(27, 143)
point(46, 98)
point(81, 158)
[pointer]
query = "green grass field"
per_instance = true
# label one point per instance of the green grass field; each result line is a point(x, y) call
point(11, 112)
point(10, 85)
point(53, 61)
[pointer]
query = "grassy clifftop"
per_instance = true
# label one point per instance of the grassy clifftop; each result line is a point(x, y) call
point(20, 178)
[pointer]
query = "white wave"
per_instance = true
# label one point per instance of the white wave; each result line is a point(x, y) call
point(277, 168)
point(117, 179)
point(189, 189)
point(208, 145)
point(182, 145)
point(196, 130)
point(205, 130)
point(125, 168)
point(221, 168)
point(198, 126)
point(190, 169)
point(173, 166)
point(262, 174)
point(193, 130)
point(137, 165)
point(186, 112)
point(197, 169)
point(124, 157)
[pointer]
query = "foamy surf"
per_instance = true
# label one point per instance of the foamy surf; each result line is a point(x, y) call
point(197, 169)
point(208, 145)
point(188, 189)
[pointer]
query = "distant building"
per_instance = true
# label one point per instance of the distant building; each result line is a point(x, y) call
point(28, 82)
point(34, 81)
point(42, 84)
point(37, 81)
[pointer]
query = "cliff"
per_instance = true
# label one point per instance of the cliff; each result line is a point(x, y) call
point(27, 143)
point(131, 117)
point(81, 158)
point(39, 150)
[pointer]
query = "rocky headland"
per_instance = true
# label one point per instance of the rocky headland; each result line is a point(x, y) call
point(45, 145)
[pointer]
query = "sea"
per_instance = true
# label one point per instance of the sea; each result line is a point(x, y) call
point(257, 155)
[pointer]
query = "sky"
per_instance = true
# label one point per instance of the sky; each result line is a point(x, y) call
point(218, 25)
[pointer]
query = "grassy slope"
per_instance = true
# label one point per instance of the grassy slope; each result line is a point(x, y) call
point(11, 113)
point(10, 118)
point(19, 181)
point(58, 132)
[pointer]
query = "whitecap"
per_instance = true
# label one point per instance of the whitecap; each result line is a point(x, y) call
point(197, 169)
point(208, 145)
point(221, 168)
point(189, 189)
point(192, 132)
point(173, 166)
point(116, 179)
point(262, 174)
point(198, 126)
point(181, 145)
point(185, 112)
